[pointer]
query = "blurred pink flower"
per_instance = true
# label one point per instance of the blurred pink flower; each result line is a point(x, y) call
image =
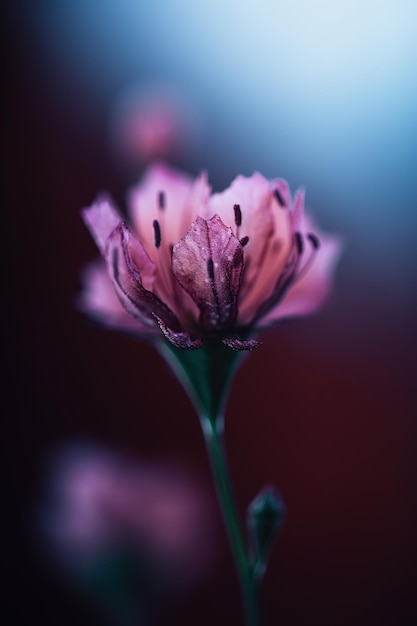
point(153, 122)
point(198, 266)
point(99, 501)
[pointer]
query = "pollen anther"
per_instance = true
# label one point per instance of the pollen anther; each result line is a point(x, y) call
point(315, 241)
point(157, 234)
point(279, 198)
point(299, 242)
point(161, 200)
point(238, 214)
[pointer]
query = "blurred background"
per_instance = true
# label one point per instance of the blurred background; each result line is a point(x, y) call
point(321, 93)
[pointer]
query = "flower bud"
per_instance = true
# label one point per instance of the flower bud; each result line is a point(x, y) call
point(265, 517)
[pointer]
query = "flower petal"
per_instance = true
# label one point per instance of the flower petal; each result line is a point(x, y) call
point(308, 293)
point(147, 204)
point(282, 192)
point(131, 269)
point(265, 221)
point(254, 196)
point(297, 213)
point(283, 282)
point(99, 300)
point(208, 263)
point(101, 218)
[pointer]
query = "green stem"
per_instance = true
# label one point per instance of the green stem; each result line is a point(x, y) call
point(213, 435)
point(206, 375)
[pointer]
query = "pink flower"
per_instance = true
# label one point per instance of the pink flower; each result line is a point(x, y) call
point(96, 500)
point(197, 266)
point(153, 122)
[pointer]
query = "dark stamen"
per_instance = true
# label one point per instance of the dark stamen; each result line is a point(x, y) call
point(278, 196)
point(315, 241)
point(244, 241)
point(157, 233)
point(238, 214)
point(210, 269)
point(115, 264)
point(161, 200)
point(299, 242)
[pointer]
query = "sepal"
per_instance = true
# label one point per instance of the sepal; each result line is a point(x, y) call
point(206, 374)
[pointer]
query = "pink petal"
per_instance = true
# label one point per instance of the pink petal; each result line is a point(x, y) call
point(254, 196)
point(130, 269)
point(283, 193)
point(174, 223)
point(309, 293)
point(101, 218)
point(197, 203)
point(145, 205)
point(297, 213)
point(284, 198)
point(208, 263)
point(283, 282)
point(99, 300)
point(266, 223)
